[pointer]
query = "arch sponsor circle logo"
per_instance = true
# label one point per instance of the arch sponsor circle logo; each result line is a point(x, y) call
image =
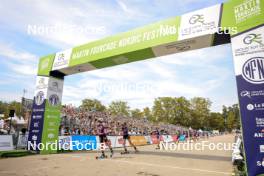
point(39, 99)
point(253, 70)
point(54, 100)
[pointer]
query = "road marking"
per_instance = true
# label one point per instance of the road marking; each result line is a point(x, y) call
point(172, 167)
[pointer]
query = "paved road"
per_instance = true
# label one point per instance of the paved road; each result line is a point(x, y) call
point(149, 162)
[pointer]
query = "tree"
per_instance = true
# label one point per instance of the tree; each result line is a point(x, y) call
point(172, 110)
point(216, 121)
point(235, 109)
point(200, 109)
point(158, 112)
point(136, 113)
point(183, 112)
point(148, 114)
point(4, 108)
point(119, 108)
point(92, 105)
point(231, 116)
point(231, 121)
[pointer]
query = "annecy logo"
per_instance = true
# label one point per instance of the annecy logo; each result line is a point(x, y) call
point(197, 19)
point(253, 38)
point(253, 70)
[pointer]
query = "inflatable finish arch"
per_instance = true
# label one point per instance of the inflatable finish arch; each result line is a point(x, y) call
point(239, 22)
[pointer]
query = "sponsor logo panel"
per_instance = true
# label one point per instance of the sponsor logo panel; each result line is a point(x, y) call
point(201, 22)
point(248, 51)
point(246, 10)
point(252, 94)
point(62, 59)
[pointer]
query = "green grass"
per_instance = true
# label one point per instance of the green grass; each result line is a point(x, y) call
point(20, 153)
point(14, 153)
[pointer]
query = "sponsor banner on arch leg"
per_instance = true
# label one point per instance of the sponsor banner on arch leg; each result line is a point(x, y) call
point(52, 113)
point(248, 51)
point(37, 117)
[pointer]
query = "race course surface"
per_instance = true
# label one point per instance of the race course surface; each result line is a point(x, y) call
point(149, 162)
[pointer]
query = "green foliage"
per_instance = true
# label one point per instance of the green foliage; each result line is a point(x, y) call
point(216, 121)
point(230, 120)
point(92, 105)
point(6, 107)
point(200, 112)
point(193, 113)
point(136, 113)
point(148, 114)
point(231, 117)
point(14, 153)
point(119, 108)
point(179, 110)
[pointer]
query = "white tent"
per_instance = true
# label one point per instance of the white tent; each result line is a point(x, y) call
point(18, 120)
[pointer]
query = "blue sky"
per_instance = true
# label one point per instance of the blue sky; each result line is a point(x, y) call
point(207, 72)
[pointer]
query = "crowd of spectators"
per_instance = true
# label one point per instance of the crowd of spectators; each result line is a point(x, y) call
point(76, 121)
point(5, 127)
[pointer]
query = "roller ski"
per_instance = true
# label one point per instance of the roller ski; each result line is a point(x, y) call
point(157, 148)
point(124, 153)
point(127, 152)
point(101, 157)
